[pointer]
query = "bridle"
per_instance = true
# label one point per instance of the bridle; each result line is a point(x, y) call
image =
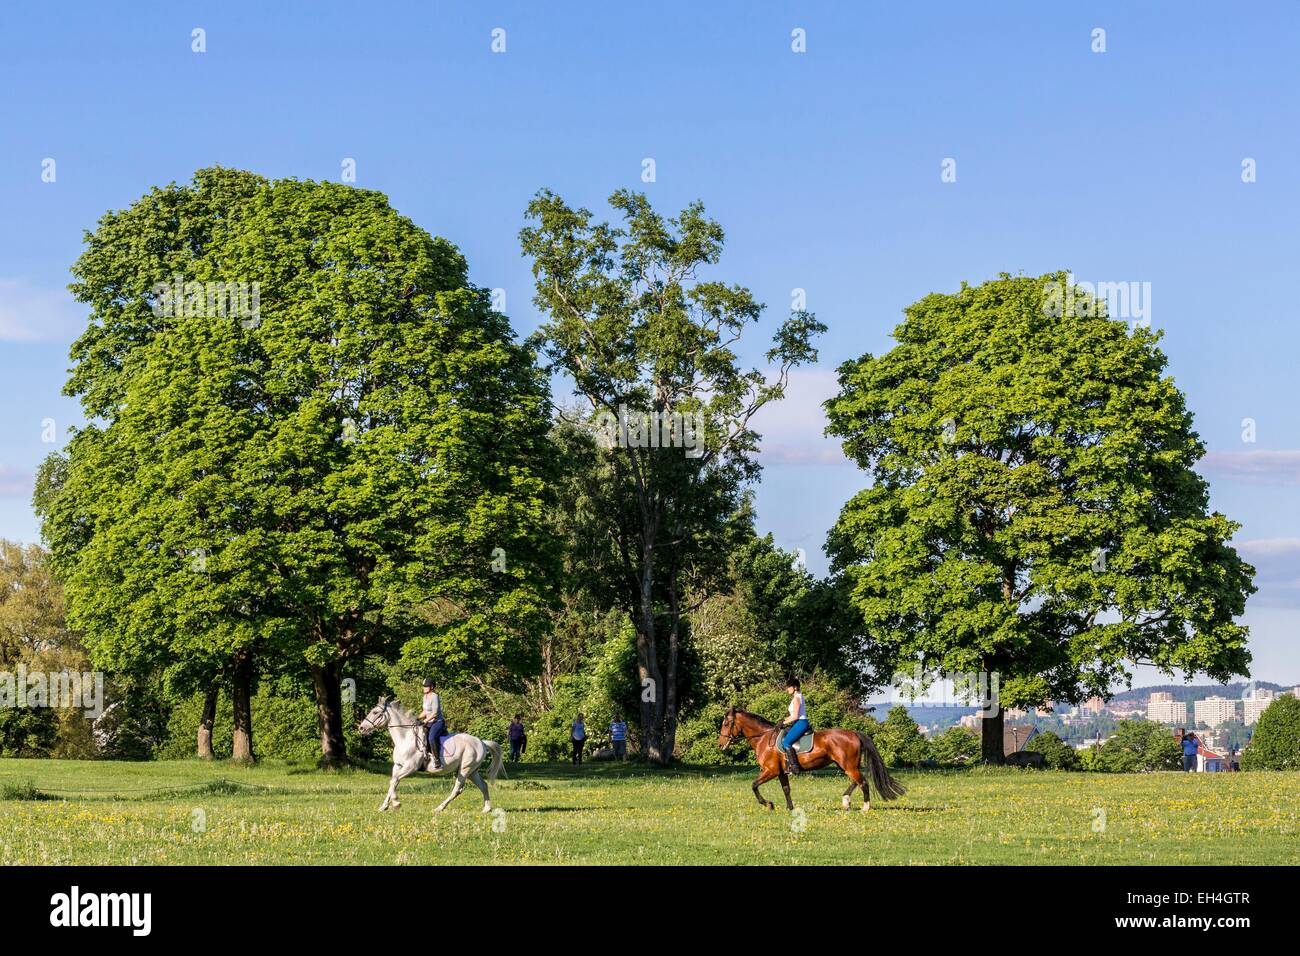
point(375, 725)
point(733, 736)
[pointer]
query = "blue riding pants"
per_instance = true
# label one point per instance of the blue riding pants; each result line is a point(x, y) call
point(435, 730)
point(797, 730)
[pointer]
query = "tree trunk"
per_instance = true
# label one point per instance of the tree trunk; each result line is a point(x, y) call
point(206, 720)
point(327, 681)
point(674, 649)
point(647, 652)
point(241, 695)
point(991, 737)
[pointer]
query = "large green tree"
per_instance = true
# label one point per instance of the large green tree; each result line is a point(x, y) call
point(1033, 511)
point(355, 469)
point(639, 333)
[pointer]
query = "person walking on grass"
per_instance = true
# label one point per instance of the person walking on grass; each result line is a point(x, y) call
point(518, 738)
point(618, 737)
point(578, 737)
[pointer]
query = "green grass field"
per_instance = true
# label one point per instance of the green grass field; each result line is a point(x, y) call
point(191, 812)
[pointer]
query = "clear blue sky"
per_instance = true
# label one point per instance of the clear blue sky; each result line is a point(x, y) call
point(824, 167)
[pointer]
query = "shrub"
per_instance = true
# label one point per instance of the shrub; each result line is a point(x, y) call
point(900, 741)
point(28, 731)
point(956, 747)
point(1057, 754)
point(1276, 744)
point(1138, 746)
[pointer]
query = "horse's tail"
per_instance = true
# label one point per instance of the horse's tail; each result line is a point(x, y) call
point(497, 763)
point(886, 786)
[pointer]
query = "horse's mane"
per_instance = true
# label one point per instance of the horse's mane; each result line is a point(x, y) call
point(762, 720)
point(395, 705)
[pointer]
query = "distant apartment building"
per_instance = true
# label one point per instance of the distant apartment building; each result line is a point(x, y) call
point(1256, 704)
point(1092, 706)
point(1213, 711)
point(1163, 709)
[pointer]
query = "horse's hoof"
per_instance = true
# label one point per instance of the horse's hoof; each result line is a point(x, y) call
point(866, 807)
point(844, 802)
point(487, 808)
point(771, 806)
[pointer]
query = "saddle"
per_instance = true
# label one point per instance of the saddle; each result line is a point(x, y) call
point(425, 756)
point(802, 745)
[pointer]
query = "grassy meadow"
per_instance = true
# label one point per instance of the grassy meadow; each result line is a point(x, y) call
point(189, 812)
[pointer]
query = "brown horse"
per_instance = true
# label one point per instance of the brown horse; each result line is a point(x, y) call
point(845, 748)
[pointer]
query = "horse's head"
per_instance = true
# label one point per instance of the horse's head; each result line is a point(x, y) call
point(727, 734)
point(377, 718)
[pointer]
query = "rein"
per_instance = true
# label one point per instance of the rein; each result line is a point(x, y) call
point(733, 736)
point(386, 723)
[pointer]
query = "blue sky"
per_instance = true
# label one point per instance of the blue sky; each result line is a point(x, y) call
point(824, 167)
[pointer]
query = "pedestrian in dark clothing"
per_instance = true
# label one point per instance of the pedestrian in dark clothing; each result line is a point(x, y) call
point(518, 738)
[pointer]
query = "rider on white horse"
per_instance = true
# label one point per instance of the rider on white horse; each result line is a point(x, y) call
point(435, 725)
point(465, 753)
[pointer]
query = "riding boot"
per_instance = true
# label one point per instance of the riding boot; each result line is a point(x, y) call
point(792, 761)
point(435, 757)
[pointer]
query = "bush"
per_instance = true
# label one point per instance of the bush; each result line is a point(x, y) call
point(28, 731)
point(956, 747)
point(1138, 746)
point(900, 741)
point(1057, 754)
point(1276, 744)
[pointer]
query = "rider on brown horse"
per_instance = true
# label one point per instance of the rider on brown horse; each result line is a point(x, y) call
point(851, 750)
point(797, 720)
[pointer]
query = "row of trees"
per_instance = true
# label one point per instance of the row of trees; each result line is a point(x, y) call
point(371, 468)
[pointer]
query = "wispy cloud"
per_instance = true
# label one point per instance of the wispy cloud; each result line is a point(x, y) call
point(15, 483)
point(29, 313)
point(1280, 467)
point(1277, 570)
point(792, 429)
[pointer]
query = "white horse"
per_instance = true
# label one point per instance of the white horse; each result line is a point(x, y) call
point(462, 754)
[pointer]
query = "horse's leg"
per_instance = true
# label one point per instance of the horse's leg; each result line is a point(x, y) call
point(855, 774)
point(478, 782)
point(785, 785)
point(850, 763)
point(766, 775)
point(403, 771)
point(391, 797)
point(393, 790)
point(455, 792)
